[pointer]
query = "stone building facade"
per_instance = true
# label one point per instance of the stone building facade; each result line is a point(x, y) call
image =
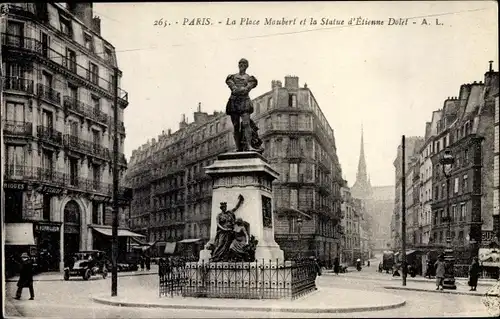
point(351, 224)
point(58, 91)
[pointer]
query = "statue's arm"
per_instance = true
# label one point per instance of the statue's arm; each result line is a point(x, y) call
point(230, 83)
point(247, 237)
point(240, 201)
point(252, 83)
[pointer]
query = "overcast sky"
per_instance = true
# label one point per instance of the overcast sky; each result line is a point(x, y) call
point(387, 78)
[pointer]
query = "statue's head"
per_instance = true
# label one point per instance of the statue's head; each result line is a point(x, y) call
point(239, 221)
point(223, 206)
point(243, 64)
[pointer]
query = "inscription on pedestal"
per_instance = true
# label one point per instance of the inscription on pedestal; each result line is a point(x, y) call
point(267, 217)
point(242, 181)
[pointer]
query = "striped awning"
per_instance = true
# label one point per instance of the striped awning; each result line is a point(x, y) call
point(19, 234)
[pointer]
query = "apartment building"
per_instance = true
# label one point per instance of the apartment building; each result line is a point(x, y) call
point(58, 91)
point(351, 226)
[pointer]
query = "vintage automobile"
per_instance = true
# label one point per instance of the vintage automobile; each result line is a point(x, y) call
point(87, 264)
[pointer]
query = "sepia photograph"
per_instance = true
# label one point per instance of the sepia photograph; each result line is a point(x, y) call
point(278, 159)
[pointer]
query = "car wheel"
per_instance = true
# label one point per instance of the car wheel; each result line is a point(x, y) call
point(86, 275)
point(66, 275)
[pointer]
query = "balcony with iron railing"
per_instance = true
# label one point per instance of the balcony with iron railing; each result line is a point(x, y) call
point(48, 93)
point(77, 144)
point(80, 108)
point(14, 83)
point(17, 128)
point(49, 134)
point(34, 46)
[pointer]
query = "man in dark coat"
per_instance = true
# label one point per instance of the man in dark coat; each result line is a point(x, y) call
point(25, 277)
point(336, 265)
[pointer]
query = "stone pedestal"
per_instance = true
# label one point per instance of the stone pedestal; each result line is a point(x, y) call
point(248, 174)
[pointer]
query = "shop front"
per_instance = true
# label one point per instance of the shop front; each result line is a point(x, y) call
point(102, 240)
point(19, 238)
point(47, 239)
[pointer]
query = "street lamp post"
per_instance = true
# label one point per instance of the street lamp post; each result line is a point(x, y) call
point(449, 281)
point(299, 227)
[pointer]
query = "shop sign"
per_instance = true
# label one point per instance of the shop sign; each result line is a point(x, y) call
point(47, 227)
point(99, 198)
point(14, 186)
point(487, 237)
point(71, 229)
point(51, 190)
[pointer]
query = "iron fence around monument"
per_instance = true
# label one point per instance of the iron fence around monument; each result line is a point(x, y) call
point(265, 279)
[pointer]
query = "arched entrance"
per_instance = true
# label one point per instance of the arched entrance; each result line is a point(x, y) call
point(72, 223)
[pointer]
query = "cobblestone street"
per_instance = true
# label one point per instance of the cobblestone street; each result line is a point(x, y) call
point(73, 299)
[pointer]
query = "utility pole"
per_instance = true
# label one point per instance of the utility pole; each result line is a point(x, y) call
point(3, 12)
point(403, 209)
point(114, 233)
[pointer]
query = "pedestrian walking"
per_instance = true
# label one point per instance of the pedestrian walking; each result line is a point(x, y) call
point(440, 270)
point(336, 265)
point(25, 277)
point(148, 263)
point(428, 271)
point(141, 262)
point(474, 271)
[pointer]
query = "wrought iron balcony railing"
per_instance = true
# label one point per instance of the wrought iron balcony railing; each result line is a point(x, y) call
point(36, 47)
point(18, 128)
point(79, 145)
point(83, 109)
point(14, 83)
point(49, 134)
point(48, 93)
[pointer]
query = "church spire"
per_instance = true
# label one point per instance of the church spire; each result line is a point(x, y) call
point(362, 187)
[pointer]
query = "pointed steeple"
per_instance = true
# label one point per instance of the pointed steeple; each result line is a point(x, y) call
point(362, 186)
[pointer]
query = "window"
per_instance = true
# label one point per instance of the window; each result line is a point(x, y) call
point(292, 100)
point(94, 73)
point(293, 122)
point(294, 170)
point(466, 156)
point(47, 163)
point(70, 61)
point(73, 92)
point(15, 34)
point(15, 112)
point(294, 198)
point(270, 103)
point(95, 212)
point(96, 175)
point(89, 43)
point(65, 25)
point(47, 79)
point(15, 160)
point(45, 39)
point(463, 212)
point(46, 207)
point(73, 171)
point(96, 137)
point(292, 225)
point(454, 213)
point(73, 128)
point(455, 188)
point(47, 119)
point(465, 186)
point(108, 55)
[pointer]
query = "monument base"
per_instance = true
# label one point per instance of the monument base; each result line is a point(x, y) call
point(249, 280)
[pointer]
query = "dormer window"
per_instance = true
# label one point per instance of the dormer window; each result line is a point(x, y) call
point(108, 56)
point(66, 26)
point(89, 43)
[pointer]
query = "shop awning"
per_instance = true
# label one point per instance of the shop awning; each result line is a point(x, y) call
point(189, 241)
point(19, 234)
point(409, 252)
point(121, 232)
point(170, 248)
point(289, 210)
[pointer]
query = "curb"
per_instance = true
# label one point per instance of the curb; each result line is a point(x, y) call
point(62, 279)
point(255, 309)
point(451, 292)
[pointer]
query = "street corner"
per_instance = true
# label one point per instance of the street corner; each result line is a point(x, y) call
point(322, 301)
point(430, 289)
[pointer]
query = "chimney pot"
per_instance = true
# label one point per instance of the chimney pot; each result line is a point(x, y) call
point(199, 106)
point(491, 66)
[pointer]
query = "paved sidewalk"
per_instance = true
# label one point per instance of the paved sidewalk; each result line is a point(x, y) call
point(58, 276)
point(384, 276)
point(324, 300)
point(431, 288)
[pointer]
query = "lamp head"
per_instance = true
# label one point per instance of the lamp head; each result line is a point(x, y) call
point(447, 161)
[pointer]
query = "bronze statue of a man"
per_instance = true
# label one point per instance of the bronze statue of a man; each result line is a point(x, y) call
point(239, 107)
